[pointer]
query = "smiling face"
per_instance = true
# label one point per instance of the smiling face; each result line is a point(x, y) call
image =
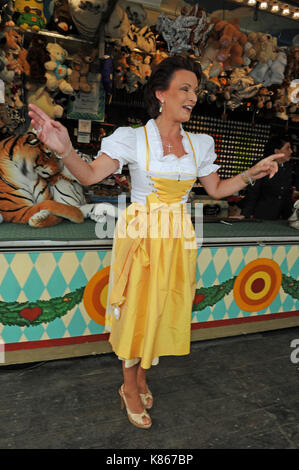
point(180, 97)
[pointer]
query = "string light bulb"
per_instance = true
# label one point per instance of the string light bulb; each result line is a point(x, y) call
point(264, 5)
point(278, 7)
point(275, 8)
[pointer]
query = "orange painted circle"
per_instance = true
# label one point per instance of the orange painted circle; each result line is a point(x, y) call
point(95, 295)
point(257, 285)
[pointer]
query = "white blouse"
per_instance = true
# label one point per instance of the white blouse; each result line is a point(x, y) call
point(128, 146)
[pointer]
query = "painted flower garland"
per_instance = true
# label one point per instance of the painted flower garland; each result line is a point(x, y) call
point(254, 288)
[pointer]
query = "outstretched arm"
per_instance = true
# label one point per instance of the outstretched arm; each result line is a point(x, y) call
point(55, 136)
point(219, 189)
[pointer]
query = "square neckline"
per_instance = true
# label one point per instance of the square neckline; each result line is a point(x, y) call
point(158, 135)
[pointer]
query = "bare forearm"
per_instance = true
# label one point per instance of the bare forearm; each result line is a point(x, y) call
point(229, 186)
point(55, 136)
point(79, 168)
point(90, 173)
point(219, 189)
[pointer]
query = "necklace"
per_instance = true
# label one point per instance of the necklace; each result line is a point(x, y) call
point(165, 142)
point(169, 146)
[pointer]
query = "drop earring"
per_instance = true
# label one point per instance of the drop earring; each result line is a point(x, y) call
point(160, 109)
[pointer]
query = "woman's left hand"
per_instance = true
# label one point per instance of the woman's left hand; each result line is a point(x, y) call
point(266, 166)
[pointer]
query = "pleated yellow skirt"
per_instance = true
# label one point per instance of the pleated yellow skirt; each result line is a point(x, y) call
point(152, 282)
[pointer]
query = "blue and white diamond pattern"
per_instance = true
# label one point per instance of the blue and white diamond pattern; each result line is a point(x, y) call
point(44, 275)
point(31, 276)
point(216, 265)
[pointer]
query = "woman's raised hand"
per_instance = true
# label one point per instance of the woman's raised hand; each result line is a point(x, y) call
point(53, 134)
point(266, 166)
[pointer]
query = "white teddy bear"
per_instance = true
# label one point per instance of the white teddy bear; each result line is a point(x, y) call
point(57, 72)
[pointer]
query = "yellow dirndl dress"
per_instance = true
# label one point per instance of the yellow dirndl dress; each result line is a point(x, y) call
point(153, 275)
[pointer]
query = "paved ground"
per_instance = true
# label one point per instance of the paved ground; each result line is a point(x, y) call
point(233, 393)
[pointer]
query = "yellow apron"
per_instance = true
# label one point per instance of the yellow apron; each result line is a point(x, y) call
point(153, 275)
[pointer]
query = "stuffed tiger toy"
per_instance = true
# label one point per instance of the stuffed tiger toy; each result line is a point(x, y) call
point(65, 188)
point(25, 198)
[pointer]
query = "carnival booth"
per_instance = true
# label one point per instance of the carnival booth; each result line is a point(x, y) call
point(86, 64)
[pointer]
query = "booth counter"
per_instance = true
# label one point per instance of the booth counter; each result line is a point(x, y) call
point(53, 286)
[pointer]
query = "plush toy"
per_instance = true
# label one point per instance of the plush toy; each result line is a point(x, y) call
point(201, 30)
point(8, 121)
point(292, 67)
point(286, 101)
point(40, 96)
point(263, 46)
point(16, 53)
point(231, 43)
point(270, 72)
point(140, 66)
point(209, 62)
point(120, 31)
point(281, 103)
point(158, 57)
point(293, 220)
point(61, 20)
point(241, 87)
point(80, 68)
point(264, 98)
point(36, 57)
point(29, 15)
point(136, 13)
point(66, 189)
point(118, 25)
point(6, 13)
point(176, 32)
point(14, 95)
point(5, 74)
point(57, 72)
point(141, 39)
point(248, 53)
point(25, 196)
point(87, 16)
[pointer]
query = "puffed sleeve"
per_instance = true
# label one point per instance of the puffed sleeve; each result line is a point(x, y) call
point(206, 155)
point(121, 146)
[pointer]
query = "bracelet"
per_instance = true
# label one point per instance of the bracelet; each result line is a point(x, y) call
point(61, 157)
point(247, 179)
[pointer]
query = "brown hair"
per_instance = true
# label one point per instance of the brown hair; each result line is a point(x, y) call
point(161, 77)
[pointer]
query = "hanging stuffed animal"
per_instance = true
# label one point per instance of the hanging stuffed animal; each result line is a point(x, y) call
point(57, 72)
point(87, 16)
point(25, 166)
point(120, 31)
point(36, 57)
point(16, 53)
point(6, 13)
point(176, 32)
point(241, 87)
point(61, 20)
point(81, 62)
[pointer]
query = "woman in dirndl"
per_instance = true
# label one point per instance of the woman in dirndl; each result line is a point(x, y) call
point(153, 267)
